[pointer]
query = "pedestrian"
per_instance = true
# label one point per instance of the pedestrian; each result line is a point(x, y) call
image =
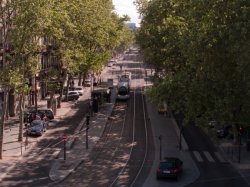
point(72, 84)
point(36, 117)
point(43, 116)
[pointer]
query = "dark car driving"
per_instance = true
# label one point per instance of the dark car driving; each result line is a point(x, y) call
point(37, 128)
point(170, 167)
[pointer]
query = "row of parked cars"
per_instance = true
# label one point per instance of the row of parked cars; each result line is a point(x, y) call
point(36, 121)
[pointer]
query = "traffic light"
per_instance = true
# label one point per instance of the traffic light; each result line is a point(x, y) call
point(241, 130)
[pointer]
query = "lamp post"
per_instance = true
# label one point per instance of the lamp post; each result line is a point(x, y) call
point(87, 130)
point(160, 139)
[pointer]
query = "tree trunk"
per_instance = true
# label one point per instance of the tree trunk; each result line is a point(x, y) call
point(21, 101)
point(12, 99)
point(67, 90)
point(61, 95)
point(35, 93)
point(5, 101)
point(64, 77)
point(80, 80)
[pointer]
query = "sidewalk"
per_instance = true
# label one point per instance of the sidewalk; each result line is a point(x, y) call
point(237, 155)
point(167, 128)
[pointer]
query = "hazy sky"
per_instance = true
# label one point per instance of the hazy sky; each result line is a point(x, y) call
point(127, 7)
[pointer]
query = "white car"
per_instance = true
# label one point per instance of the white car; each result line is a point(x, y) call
point(79, 90)
point(87, 83)
point(72, 96)
point(109, 64)
point(113, 61)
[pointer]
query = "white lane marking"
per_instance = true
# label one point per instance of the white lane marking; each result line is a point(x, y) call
point(208, 156)
point(198, 156)
point(220, 158)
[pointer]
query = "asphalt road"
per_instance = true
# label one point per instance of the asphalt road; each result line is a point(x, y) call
point(214, 170)
point(34, 168)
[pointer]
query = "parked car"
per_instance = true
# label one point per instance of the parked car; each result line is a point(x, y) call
point(109, 64)
point(48, 112)
point(87, 83)
point(72, 95)
point(225, 131)
point(79, 90)
point(170, 167)
point(37, 127)
point(29, 115)
point(212, 123)
point(113, 61)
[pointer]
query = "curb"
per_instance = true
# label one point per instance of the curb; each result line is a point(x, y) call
point(59, 179)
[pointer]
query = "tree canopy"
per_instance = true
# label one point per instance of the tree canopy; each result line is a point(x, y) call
point(81, 35)
point(202, 49)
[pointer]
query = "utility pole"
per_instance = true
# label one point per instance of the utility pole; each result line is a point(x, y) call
point(160, 138)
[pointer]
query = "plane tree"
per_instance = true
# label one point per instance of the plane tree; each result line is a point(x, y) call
point(21, 24)
point(204, 49)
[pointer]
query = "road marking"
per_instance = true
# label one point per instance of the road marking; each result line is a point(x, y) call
point(198, 156)
point(220, 158)
point(208, 156)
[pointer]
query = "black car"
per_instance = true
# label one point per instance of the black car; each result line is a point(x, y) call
point(29, 116)
point(170, 167)
point(48, 113)
point(225, 131)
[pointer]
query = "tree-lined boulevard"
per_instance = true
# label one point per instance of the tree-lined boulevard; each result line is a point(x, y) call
point(189, 57)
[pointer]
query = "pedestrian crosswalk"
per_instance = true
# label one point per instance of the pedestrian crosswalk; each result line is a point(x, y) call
point(205, 156)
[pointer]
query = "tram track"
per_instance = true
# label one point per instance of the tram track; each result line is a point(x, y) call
point(131, 180)
point(120, 154)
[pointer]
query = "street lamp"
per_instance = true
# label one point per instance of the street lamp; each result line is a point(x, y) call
point(160, 138)
point(87, 129)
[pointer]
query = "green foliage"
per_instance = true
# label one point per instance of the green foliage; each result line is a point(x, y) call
point(202, 49)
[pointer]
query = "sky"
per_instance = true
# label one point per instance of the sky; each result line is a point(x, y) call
point(123, 7)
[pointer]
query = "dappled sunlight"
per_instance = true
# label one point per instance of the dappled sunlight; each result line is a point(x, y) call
point(109, 155)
